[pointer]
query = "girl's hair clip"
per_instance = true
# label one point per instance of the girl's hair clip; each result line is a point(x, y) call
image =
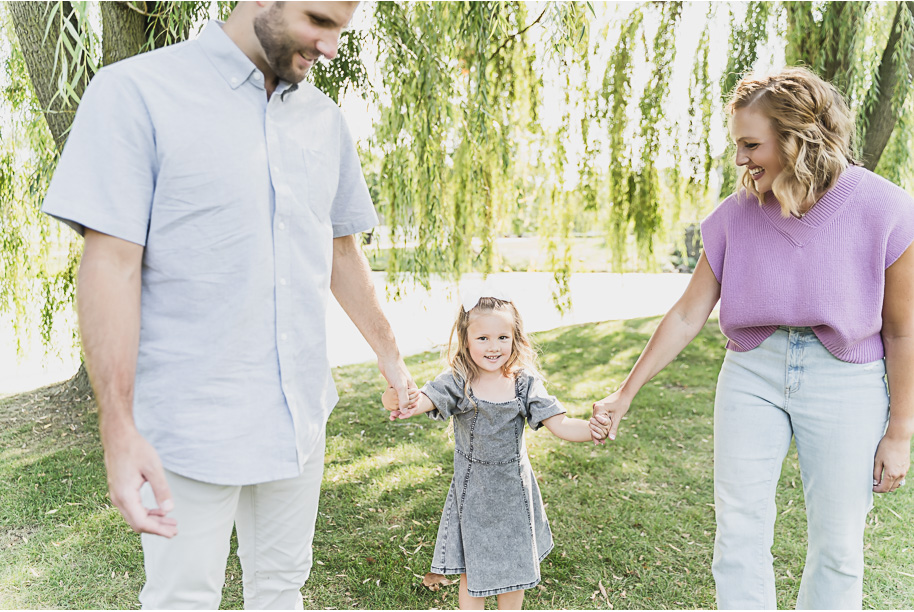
point(470, 298)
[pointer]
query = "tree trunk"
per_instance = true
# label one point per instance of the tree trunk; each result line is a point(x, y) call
point(842, 30)
point(30, 21)
point(123, 31)
point(880, 113)
point(78, 386)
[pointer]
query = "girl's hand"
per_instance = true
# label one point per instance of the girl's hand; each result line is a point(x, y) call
point(599, 428)
point(391, 401)
point(608, 412)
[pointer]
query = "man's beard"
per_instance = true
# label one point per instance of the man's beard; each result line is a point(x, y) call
point(279, 49)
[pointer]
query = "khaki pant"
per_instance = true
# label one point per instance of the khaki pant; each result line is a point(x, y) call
point(275, 525)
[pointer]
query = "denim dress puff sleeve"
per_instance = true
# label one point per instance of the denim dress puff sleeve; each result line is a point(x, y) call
point(447, 395)
point(538, 404)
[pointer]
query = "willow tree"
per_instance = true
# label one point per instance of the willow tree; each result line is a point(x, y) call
point(462, 148)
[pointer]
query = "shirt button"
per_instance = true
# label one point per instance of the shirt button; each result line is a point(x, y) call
point(234, 81)
point(283, 337)
point(282, 225)
point(274, 170)
point(282, 281)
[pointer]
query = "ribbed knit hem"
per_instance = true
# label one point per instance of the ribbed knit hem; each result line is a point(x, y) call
point(866, 351)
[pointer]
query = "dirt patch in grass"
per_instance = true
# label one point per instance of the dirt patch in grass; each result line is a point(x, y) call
point(57, 410)
point(10, 537)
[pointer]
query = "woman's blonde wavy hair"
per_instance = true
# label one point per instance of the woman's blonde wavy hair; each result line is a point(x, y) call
point(523, 353)
point(814, 129)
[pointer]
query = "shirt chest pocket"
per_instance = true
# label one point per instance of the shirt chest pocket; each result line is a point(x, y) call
point(314, 181)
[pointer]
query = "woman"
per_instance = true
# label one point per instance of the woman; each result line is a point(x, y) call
point(811, 262)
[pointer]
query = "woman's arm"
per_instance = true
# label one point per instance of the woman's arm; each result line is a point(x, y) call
point(678, 327)
point(893, 457)
point(566, 428)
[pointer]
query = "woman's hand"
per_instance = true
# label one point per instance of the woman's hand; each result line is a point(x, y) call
point(608, 412)
point(893, 459)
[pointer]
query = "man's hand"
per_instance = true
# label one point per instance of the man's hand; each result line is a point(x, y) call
point(398, 378)
point(130, 462)
point(391, 401)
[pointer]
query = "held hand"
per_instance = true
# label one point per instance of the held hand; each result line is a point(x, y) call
point(599, 428)
point(131, 461)
point(608, 412)
point(893, 459)
point(398, 377)
point(391, 401)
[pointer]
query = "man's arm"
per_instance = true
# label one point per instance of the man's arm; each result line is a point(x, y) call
point(108, 304)
point(351, 284)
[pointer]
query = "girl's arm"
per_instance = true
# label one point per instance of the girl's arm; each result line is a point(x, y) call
point(678, 327)
point(573, 430)
point(419, 400)
point(893, 457)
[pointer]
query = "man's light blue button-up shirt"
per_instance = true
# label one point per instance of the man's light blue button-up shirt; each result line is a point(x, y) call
point(236, 199)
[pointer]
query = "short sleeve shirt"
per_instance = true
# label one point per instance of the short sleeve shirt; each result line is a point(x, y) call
point(237, 199)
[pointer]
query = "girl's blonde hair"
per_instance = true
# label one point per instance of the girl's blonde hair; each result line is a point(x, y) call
point(523, 353)
point(814, 128)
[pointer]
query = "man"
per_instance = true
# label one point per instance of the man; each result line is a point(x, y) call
point(219, 197)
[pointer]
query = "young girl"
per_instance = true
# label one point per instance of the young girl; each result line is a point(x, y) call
point(493, 530)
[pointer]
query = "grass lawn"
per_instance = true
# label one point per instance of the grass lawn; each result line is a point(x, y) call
point(633, 521)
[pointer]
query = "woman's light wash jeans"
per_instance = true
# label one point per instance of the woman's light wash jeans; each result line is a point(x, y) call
point(790, 385)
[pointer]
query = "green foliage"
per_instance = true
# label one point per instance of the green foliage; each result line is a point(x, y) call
point(460, 87)
point(903, 50)
point(569, 46)
point(614, 97)
point(644, 211)
point(700, 111)
point(746, 39)
point(38, 256)
point(345, 72)
point(171, 22)
point(77, 48)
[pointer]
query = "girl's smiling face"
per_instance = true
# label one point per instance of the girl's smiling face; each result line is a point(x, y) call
point(756, 147)
point(490, 339)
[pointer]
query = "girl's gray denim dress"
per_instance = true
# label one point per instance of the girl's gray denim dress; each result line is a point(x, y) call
point(494, 526)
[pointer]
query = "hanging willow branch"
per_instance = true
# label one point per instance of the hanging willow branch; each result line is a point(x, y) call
point(700, 111)
point(517, 34)
point(747, 36)
point(615, 95)
point(644, 209)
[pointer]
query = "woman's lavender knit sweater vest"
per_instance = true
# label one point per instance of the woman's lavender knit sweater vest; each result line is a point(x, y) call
point(825, 271)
